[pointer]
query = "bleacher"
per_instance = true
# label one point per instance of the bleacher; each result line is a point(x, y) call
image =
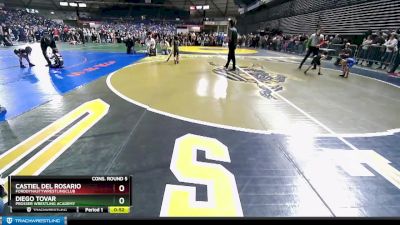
point(348, 17)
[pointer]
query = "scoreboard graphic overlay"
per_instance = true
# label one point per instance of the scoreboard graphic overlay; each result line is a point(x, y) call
point(86, 194)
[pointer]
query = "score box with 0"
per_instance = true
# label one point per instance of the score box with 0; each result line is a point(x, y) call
point(82, 191)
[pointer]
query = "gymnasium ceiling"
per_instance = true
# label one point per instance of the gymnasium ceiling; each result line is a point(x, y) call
point(218, 8)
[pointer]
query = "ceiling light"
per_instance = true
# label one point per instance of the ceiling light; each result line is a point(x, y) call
point(73, 4)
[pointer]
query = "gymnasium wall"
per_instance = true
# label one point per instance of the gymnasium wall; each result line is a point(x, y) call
point(295, 17)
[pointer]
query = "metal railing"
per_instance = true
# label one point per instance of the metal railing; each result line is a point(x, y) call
point(376, 54)
point(337, 49)
point(371, 54)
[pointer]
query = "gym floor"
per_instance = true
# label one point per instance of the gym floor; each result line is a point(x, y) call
point(264, 141)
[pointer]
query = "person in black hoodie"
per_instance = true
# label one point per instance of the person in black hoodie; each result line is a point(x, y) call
point(81, 36)
point(45, 42)
point(130, 43)
point(232, 42)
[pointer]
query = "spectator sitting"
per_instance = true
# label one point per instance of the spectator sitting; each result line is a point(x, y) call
point(7, 39)
point(337, 40)
point(165, 47)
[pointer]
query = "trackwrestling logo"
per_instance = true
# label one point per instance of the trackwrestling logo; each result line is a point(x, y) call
point(268, 82)
point(56, 220)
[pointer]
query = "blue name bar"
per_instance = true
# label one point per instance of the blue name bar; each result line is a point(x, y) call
point(28, 220)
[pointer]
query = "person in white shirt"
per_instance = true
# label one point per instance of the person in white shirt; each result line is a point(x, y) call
point(1, 34)
point(165, 48)
point(364, 49)
point(391, 47)
point(313, 46)
point(150, 44)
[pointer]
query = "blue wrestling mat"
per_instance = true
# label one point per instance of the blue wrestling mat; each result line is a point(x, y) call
point(24, 89)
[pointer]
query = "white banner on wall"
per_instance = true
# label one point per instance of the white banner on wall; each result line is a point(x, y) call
point(194, 29)
point(58, 21)
point(182, 30)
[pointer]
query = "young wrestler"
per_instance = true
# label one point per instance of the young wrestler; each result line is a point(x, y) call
point(23, 53)
point(346, 65)
point(317, 62)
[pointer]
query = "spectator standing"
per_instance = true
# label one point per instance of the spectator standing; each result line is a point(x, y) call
point(396, 61)
point(56, 34)
point(1, 34)
point(364, 48)
point(303, 40)
point(391, 47)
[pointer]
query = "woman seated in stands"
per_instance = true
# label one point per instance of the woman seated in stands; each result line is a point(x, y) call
point(7, 39)
point(165, 47)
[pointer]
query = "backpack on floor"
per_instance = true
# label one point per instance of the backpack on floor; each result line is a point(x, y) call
point(152, 52)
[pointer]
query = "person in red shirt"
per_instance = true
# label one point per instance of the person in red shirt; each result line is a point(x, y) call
point(56, 34)
point(65, 33)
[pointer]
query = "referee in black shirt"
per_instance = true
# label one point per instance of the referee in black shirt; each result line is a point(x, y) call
point(232, 43)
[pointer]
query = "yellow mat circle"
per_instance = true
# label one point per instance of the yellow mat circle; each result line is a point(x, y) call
point(215, 50)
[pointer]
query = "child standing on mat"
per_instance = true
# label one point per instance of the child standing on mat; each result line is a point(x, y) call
point(24, 53)
point(317, 62)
